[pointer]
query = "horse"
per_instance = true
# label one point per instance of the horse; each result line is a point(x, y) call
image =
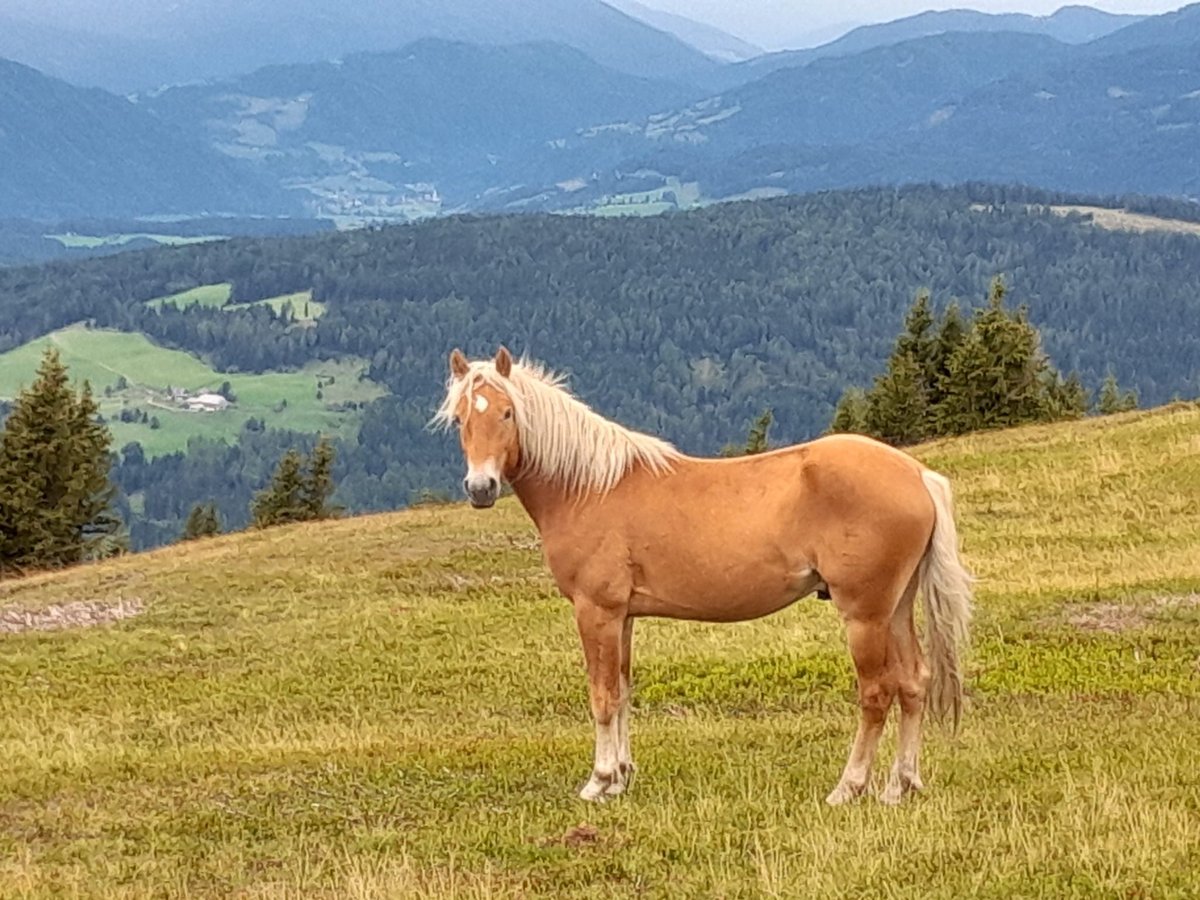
point(632, 527)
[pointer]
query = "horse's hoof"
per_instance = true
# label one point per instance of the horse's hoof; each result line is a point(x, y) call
point(600, 787)
point(844, 793)
point(898, 787)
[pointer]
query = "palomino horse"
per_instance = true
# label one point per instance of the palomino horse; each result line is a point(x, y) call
point(632, 527)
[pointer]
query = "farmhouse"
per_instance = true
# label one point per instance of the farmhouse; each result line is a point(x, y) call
point(207, 403)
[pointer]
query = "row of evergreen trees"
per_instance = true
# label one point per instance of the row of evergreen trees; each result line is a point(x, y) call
point(57, 499)
point(952, 377)
point(300, 491)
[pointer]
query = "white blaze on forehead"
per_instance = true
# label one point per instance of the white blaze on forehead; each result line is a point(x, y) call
point(481, 403)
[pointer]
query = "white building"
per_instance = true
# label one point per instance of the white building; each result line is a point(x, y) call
point(207, 403)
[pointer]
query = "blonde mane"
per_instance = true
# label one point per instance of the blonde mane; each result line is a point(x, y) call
point(562, 439)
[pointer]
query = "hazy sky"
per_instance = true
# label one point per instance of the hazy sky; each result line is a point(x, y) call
point(779, 23)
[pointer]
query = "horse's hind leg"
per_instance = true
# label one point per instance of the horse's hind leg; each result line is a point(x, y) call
point(913, 678)
point(625, 766)
point(869, 641)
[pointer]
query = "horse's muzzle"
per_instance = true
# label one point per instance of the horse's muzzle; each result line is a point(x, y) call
point(482, 492)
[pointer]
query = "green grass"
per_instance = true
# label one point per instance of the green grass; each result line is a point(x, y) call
point(304, 307)
point(91, 241)
point(281, 399)
point(395, 706)
point(208, 295)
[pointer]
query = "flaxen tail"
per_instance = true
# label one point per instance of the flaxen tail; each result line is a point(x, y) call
point(946, 586)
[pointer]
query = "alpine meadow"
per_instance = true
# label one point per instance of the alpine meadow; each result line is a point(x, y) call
point(599, 449)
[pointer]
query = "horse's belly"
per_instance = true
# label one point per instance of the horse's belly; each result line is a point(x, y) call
point(722, 597)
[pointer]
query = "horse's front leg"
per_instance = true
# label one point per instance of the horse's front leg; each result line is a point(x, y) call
point(601, 630)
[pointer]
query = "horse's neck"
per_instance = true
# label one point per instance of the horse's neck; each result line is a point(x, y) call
point(543, 501)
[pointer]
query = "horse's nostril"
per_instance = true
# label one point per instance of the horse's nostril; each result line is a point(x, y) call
point(492, 484)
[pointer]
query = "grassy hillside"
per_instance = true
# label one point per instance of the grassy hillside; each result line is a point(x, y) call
point(311, 399)
point(395, 706)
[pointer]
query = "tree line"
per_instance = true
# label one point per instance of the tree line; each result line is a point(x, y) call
point(686, 325)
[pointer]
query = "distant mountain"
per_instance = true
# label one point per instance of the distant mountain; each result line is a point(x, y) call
point(706, 38)
point(1070, 25)
point(1175, 29)
point(194, 40)
point(68, 151)
point(960, 106)
point(395, 129)
point(874, 94)
point(1127, 122)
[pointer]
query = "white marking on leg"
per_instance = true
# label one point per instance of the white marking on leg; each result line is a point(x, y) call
point(605, 781)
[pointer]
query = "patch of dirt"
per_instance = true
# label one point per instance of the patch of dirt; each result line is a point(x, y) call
point(76, 614)
point(1115, 618)
point(578, 836)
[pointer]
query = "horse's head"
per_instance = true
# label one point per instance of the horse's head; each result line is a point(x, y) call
point(487, 428)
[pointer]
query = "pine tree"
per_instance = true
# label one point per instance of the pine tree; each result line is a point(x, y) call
point(56, 499)
point(318, 484)
point(281, 503)
point(202, 521)
point(298, 492)
point(950, 336)
point(756, 441)
point(850, 416)
point(917, 340)
point(998, 375)
point(1112, 400)
point(1068, 398)
point(896, 405)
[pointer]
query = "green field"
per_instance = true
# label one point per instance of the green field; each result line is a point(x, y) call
point(304, 307)
point(395, 706)
point(216, 296)
point(281, 399)
point(210, 295)
point(674, 195)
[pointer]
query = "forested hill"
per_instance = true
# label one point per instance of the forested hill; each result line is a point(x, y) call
point(686, 325)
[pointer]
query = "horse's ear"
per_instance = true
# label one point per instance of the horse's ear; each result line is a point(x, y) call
point(503, 361)
point(458, 363)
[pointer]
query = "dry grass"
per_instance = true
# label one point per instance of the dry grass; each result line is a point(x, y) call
point(1124, 220)
point(395, 706)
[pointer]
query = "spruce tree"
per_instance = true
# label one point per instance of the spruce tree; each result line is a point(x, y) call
point(896, 405)
point(1112, 400)
point(56, 499)
point(998, 375)
point(756, 440)
point(850, 416)
point(318, 483)
point(202, 521)
point(949, 337)
point(281, 503)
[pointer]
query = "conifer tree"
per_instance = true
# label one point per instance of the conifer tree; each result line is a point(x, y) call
point(298, 492)
point(56, 499)
point(202, 521)
point(896, 405)
point(950, 335)
point(280, 503)
point(1112, 400)
point(850, 416)
point(318, 484)
point(998, 375)
point(756, 441)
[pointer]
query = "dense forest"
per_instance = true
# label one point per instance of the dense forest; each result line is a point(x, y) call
point(687, 324)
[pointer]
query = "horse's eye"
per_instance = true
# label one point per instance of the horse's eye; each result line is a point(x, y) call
point(507, 415)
